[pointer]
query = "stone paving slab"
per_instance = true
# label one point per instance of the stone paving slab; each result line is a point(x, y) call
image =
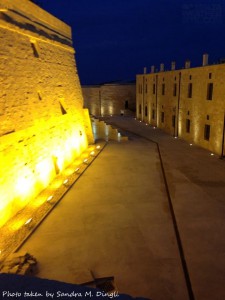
point(116, 222)
point(197, 187)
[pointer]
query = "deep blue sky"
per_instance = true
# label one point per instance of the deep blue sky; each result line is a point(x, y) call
point(115, 39)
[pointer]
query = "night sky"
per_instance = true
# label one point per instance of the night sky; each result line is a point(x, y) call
point(115, 39)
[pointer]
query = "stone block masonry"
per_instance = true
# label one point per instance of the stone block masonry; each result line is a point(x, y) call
point(110, 99)
point(43, 123)
point(187, 103)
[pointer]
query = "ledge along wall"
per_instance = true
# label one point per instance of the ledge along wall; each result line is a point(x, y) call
point(43, 124)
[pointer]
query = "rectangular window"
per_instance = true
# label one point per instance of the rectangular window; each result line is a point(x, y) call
point(207, 132)
point(162, 117)
point(140, 88)
point(190, 90)
point(174, 89)
point(210, 91)
point(163, 89)
point(173, 120)
point(153, 114)
point(146, 88)
point(188, 125)
point(153, 90)
point(139, 109)
point(146, 111)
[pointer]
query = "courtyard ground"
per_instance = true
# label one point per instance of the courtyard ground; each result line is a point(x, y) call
point(116, 219)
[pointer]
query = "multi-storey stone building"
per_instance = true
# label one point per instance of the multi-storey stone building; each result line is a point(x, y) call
point(43, 123)
point(110, 98)
point(187, 103)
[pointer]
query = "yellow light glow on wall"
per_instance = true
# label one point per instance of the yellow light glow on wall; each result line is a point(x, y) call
point(40, 135)
point(110, 108)
point(17, 225)
point(56, 184)
point(23, 186)
point(39, 163)
point(39, 201)
point(44, 171)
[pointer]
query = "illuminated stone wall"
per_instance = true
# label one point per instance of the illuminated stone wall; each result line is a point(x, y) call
point(43, 123)
point(110, 99)
point(187, 111)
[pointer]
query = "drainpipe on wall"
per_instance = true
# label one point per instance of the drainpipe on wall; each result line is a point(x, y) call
point(222, 150)
point(178, 105)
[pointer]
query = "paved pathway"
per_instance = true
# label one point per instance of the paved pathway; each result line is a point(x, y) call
point(197, 187)
point(116, 220)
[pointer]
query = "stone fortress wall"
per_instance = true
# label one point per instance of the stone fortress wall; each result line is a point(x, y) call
point(110, 98)
point(43, 123)
point(187, 103)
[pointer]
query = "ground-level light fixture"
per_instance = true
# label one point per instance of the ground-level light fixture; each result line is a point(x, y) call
point(98, 147)
point(66, 181)
point(77, 170)
point(175, 137)
point(191, 144)
point(85, 161)
point(212, 154)
point(49, 198)
point(92, 153)
point(28, 222)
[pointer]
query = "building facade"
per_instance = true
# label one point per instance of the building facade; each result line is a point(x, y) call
point(187, 103)
point(43, 123)
point(110, 98)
